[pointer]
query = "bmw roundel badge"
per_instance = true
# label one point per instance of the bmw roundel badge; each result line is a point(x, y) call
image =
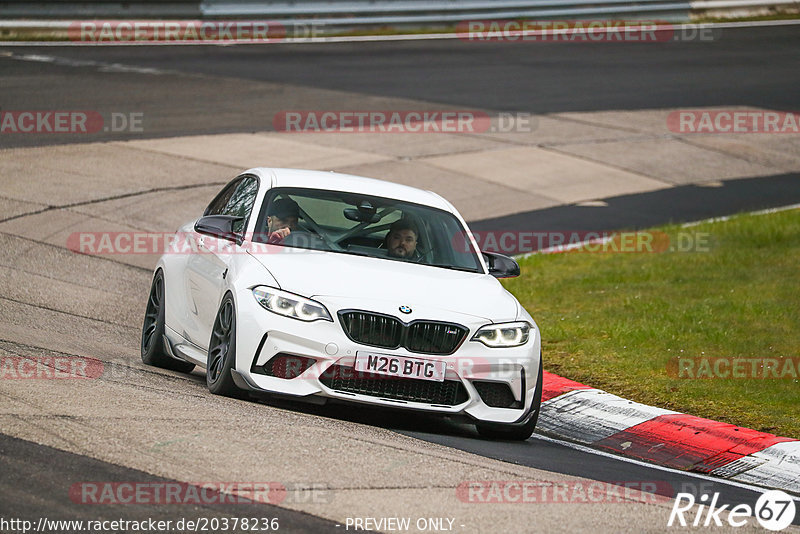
point(405, 309)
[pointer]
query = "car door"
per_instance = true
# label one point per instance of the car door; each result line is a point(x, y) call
point(207, 269)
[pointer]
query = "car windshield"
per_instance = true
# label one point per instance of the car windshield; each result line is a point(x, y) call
point(364, 225)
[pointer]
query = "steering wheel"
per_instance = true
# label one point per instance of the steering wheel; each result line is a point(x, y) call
point(304, 239)
point(425, 257)
point(314, 227)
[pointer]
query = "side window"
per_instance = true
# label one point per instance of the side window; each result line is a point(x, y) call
point(241, 202)
point(217, 205)
point(236, 199)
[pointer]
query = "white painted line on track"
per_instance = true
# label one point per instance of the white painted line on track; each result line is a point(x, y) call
point(101, 66)
point(728, 217)
point(569, 246)
point(701, 476)
point(374, 38)
point(603, 240)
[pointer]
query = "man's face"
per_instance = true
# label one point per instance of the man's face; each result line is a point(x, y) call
point(276, 223)
point(401, 243)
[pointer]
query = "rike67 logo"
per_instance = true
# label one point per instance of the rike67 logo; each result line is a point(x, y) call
point(774, 510)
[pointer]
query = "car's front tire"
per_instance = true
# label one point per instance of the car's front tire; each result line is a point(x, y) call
point(222, 352)
point(152, 346)
point(518, 432)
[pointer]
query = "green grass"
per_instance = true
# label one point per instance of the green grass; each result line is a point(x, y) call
point(788, 15)
point(614, 320)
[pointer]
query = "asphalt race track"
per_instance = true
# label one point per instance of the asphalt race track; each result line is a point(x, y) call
point(139, 424)
point(36, 479)
point(744, 67)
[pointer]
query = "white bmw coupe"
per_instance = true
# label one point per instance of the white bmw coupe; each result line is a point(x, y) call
point(324, 286)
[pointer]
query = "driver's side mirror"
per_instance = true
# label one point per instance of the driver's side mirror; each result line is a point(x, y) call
point(221, 226)
point(501, 266)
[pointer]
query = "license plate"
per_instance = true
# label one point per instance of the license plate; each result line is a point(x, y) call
point(400, 366)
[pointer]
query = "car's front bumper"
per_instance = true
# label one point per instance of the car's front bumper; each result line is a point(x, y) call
point(263, 335)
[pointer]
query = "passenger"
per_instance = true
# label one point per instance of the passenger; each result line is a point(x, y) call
point(402, 239)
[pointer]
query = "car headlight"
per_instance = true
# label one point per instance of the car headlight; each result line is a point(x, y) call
point(503, 335)
point(290, 305)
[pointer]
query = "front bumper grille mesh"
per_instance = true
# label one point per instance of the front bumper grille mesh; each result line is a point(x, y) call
point(372, 329)
point(496, 394)
point(434, 338)
point(346, 379)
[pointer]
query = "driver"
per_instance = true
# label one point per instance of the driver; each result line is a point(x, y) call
point(282, 216)
point(401, 240)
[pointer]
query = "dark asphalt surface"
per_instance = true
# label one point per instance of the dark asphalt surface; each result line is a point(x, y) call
point(742, 66)
point(644, 210)
point(208, 89)
point(210, 93)
point(39, 481)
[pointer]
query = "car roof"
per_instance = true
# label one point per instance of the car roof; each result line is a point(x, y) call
point(334, 181)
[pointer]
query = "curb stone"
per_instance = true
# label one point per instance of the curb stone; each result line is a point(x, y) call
point(577, 412)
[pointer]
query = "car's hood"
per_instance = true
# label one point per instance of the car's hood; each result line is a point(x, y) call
point(356, 279)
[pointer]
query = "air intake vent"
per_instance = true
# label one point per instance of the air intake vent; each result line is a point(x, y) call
point(286, 366)
point(447, 393)
point(496, 394)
